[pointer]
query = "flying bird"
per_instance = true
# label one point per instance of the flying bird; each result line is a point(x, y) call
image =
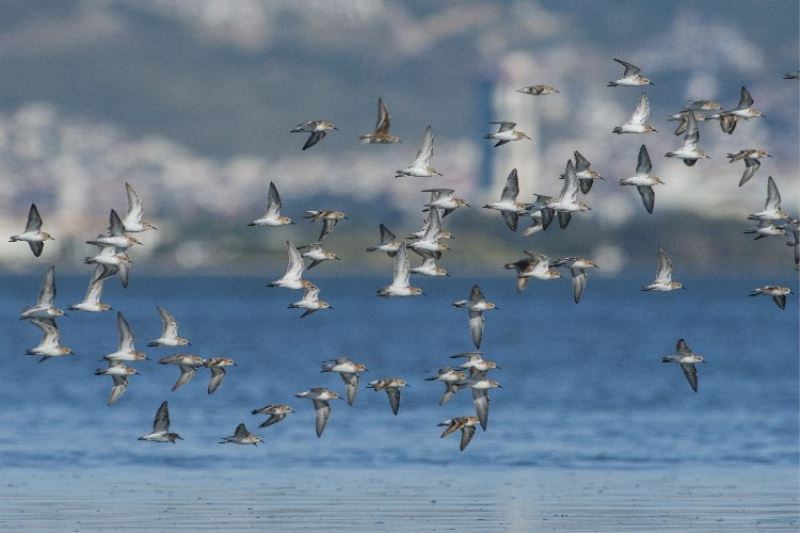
point(421, 166)
point(33, 233)
point(643, 180)
point(687, 360)
point(476, 305)
point(161, 432)
point(663, 281)
point(272, 216)
point(381, 134)
point(317, 128)
point(506, 133)
point(631, 77)
point(638, 121)
point(751, 157)
point(169, 331)
point(133, 222)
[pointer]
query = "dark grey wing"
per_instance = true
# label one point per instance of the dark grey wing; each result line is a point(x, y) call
point(386, 235)
point(684, 123)
point(692, 132)
point(120, 385)
point(382, 126)
point(451, 428)
point(728, 123)
point(476, 325)
point(643, 165)
point(745, 100)
point(511, 190)
point(648, 197)
point(115, 226)
point(34, 220)
point(467, 432)
point(323, 411)
point(682, 347)
point(273, 200)
point(394, 398)
point(773, 195)
point(241, 431)
point(481, 400)
point(579, 278)
point(161, 422)
point(563, 219)
point(581, 163)
point(274, 419)
point(750, 167)
point(522, 283)
point(187, 373)
point(511, 219)
point(780, 300)
point(630, 69)
point(327, 227)
point(500, 143)
point(350, 385)
point(36, 247)
point(691, 375)
point(585, 185)
point(547, 218)
point(314, 138)
point(217, 375)
point(476, 295)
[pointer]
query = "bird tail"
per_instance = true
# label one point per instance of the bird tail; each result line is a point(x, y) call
point(617, 130)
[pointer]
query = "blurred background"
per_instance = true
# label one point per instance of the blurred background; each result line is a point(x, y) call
point(191, 101)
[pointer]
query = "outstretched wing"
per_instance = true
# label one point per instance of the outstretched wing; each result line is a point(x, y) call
point(642, 110)
point(314, 138)
point(273, 200)
point(126, 338)
point(382, 126)
point(691, 375)
point(161, 422)
point(648, 197)
point(664, 272)
point(322, 411)
point(630, 69)
point(425, 152)
point(34, 220)
point(135, 206)
point(511, 190)
point(402, 270)
point(295, 267)
point(773, 195)
point(643, 164)
point(745, 100)
point(48, 291)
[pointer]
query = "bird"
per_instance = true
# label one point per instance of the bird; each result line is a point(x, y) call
point(445, 200)
point(116, 235)
point(689, 153)
point(44, 307)
point(567, 201)
point(91, 301)
point(475, 363)
point(586, 176)
point(133, 222)
point(400, 285)
point(744, 109)
point(276, 413)
point(114, 262)
point(430, 268)
point(643, 180)
point(506, 133)
point(392, 387)
point(428, 245)
point(50, 345)
point(329, 220)
point(169, 331)
point(465, 424)
point(161, 432)
point(577, 267)
point(381, 134)
point(33, 233)
point(764, 230)
point(432, 217)
point(188, 365)
point(538, 90)
point(241, 436)
point(349, 371)
point(320, 397)
point(794, 75)
point(126, 349)
point(217, 367)
point(508, 205)
point(631, 77)
point(480, 386)
point(751, 157)
point(293, 278)
point(317, 128)
point(687, 360)
point(637, 123)
point(310, 301)
point(421, 166)
point(778, 293)
point(476, 305)
point(772, 207)
point(272, 217)
point(388, 244)
point(663, 281)
point(454, 380)
point(119, 374)
point(317, 254)
point(536, 265)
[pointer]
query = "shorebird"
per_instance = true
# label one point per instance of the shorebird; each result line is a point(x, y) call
point(643, 180)
point(349, 371)
point(50, 345)
point(465, 424)
point(91, 301)
point(751, 158)
point(475, 363)
point(689, 153)
point(119, 374)
point(310, 301)
point(169, 331)
point(792, 75)
point(272, 216)
point(133, 222)
point(392, 387)
point(33, 233)
point(400, 281)
point(188, 365)
point(388, 244)
point(480, 386)
point(577, 268)
point(537, 223)
point(777, 292)
point(161, 431)
point(241, 436)
point(586, 176)
point(508, 205)
point(687, 360)
point(638, 121)
point(536, 265)
point(217, 367)
point(430, 268)
point(538, 90)
point(445, 200)
point(329, 220)
point(293, 278)
point(454, 381)
point(381, 134)
point(765, 230)
point(428, 245)
point(126, 349)
point(426, 224)
point(476, 305)
point(631, 77)
point(567, 201)
point(116, 234)
point(772, 208)
point(663, 281)
point(320, 396)
point(44, 307)
point(421, 166)
point(317, 128)
point(114, 262)
point(506, 133)
point(276, 413)
point(744, 109)
point(317, 254)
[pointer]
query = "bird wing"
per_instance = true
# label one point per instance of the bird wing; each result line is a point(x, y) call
point(750, 168)
point(511, 219)
point(327, 227)
point(476, 295)
point(217, 375)
point(504, 126)
point(95, 286)
point(481, 400)
point(295, 267)
point(692, 132)
point(350, 385)
point(579, 278)
point(691, 375)
point(642, 110)
point(476, 325)
point(382, 126)
point(126, 338)
point(169, 326)
point(648, 197)
point(386, 235)
point(570, 188)
point(161, 422)
point(434, 225)
point(630, 69)
point(402, 270)
point(273, 200)
point(425, 152)
point(241, 431)
point(48, 291)
point(119, 387)
point(643, 164)
point(314, 138)
point(467, 432)
point(394, 398)
point(682, 347)
point(187, 373)
point(745, 100)
point(135, 206)
point(34, 222)
point(664, 271)
point(581, 163)
point(773, 195)
point(115, 226)
point(322, 411)
point(511, 190)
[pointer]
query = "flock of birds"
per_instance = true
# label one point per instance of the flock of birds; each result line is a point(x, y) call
point(112, 260)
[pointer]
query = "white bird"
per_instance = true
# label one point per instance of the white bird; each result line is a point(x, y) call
point(317, 254)
point(428, 245)
point(161, 431)
point(536, 265)
point(169, 331)
point(349, 371)
point(577, 267)
point(631, 77)
point(567, 201)
point(401, 280)
point(421, 166)
point(476, 305)
point(687, 360)
point(126, 349)
point(317, 128)
point(91, 301)
point(689, 153)
point(50, 345)
point(586, 176)
point(33, 233)
point(772, 208)
point(388, 244)
point(445, 200)
point(116, 235)
point(777, 292)
point(186, 363)
point(320, 397)
point(44, 307)
point(392, 387)
point(638, 121)
point(506, 133)
point(508, 205)
point(113, 260)
point(480, 386)
point(430, 268)
point(119, 375)
point(242, 436)
point(293, 278)
point(272, 216)
point(643, 180)
point(310, 302)
point(133, 222)
point(663, 281)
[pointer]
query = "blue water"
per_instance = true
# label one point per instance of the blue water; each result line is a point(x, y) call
point(583, 384)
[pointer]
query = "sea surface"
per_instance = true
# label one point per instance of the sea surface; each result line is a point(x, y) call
point(584, 390)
